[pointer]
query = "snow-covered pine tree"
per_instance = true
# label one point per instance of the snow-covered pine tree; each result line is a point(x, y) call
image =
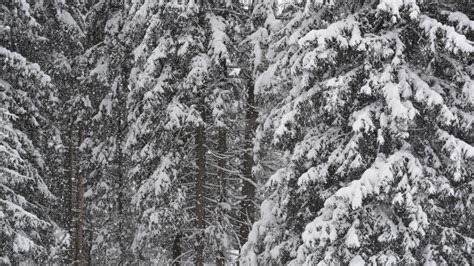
point(254, 37)
point(27, 98)
point(376, 123)
point(225, 127)
point(26, 230)
point(63, 28)
point(59, 39)
point(183, 113)
point(108, 223)
point(160, 138)
point(154, 150)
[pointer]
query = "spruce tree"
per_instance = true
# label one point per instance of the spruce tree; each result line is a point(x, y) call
point(27, 98)
point(182, 108)
point(106, 188)
point(374, 119)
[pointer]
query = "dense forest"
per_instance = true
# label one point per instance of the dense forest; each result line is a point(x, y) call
point(236, 132)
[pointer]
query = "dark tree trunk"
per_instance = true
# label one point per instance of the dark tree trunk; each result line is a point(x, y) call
point(79, 236)
point(177, 250)
point(200, 136)
point(70, 181)
point(221, 164)
point(121, 182)
point(247, 206)
point(70, 215)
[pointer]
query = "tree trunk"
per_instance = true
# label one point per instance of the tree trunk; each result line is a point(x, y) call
point(89, 242)
point(70, 180)
point(120, 197)
point(200, 182)
point(121, 131)
point(70, 217)
point(78, 256)
point(221, 164)
point(177, 250)
point(248, 188)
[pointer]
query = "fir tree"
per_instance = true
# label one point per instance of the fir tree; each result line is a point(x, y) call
point(182, 102)
point(27, 97)
point(106, 66)
point(376, 139)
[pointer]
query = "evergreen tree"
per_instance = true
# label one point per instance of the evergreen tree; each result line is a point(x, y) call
point(375, 123)
point(27, 97)
point(160, 160)
point(105, 67)
point(63, 27)
point(182, 108)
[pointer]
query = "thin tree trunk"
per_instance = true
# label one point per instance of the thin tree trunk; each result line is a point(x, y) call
point(70, 188)
point(78, 256)
point(177, 252)
point(121, 127)
point(70, 177)
point(221, 163)
point(120, 197)
point(248, 189)
point(200, 183)
point(89, 246)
